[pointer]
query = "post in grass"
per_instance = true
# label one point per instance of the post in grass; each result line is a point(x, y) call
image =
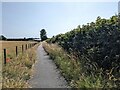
point(16, 51)
point(26, 46)
point(22, 48)
point(4, 56)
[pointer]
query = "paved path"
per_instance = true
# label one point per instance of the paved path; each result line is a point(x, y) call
point(45, 74)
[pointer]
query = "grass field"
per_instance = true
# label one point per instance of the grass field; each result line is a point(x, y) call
point(22, 64)
point(10, 47)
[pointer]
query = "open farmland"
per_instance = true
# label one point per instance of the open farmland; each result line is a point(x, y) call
point(10, 47)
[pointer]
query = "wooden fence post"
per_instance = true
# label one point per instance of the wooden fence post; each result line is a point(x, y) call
point(4, 56)
point(26, 46)
point(16, 51)
point(22, 48)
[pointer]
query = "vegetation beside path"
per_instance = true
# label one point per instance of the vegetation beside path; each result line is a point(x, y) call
point(96, 46)
point(16, 72)
point(73, 71)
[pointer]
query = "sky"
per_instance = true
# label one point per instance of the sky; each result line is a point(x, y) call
point(26, 19)
point(119, 7)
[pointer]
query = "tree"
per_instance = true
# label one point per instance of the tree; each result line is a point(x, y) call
point(43, 35)
point(2, 37)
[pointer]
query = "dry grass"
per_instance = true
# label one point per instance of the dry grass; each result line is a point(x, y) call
point(73, 71)
point(10, 47)
point(0, 65)
point(18, 69)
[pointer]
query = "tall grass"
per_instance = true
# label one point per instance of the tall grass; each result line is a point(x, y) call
point(0, 65)
point(0, 72)
point(74, 72)
point(18, 70)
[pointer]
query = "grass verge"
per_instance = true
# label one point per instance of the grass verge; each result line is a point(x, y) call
point(18, 70)
point(73, 69)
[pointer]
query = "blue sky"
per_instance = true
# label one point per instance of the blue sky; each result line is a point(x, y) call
point(26, 19)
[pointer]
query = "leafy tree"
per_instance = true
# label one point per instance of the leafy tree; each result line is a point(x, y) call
point(2, 37)
point(43, 35)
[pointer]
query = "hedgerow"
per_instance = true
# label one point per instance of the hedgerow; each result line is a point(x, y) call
point(97, 46)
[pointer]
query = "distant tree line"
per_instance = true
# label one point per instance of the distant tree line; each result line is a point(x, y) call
point(2, 37)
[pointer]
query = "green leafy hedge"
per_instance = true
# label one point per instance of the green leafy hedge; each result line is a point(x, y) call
point(96, 44)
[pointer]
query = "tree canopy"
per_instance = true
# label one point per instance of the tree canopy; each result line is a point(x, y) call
point(2, 37)
point(43, 35)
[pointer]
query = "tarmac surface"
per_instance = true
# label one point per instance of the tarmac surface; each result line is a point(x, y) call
point(45, 72)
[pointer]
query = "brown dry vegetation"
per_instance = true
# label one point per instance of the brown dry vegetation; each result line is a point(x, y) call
point(22, 64)
point(10, 47)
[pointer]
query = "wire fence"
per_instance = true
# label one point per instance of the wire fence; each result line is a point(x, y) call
point(17, 51)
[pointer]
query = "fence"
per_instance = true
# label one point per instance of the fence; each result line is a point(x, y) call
point(24, 47)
